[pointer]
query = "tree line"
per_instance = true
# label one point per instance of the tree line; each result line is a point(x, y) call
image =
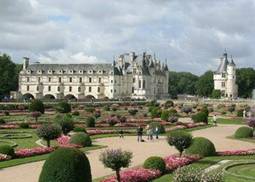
point(179, 82)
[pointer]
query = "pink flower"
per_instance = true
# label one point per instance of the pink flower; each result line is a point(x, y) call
point(236, 152)
point(173, 162)
point(33, 151)
point(64, 141)
point(136, 175)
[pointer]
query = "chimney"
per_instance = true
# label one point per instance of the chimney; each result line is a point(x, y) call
point(25, 62)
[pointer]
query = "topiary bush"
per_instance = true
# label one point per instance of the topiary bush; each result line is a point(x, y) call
point(66, 123)
point(36, 105)
point(200, 117)
point(90, 122)
point(79, 129)
point(169, 104)
point(243, 132)
point(239, 113)
point(201, 146)
point(76, 113)
point(66, 165)
point(180, 140)
point(2, 121)
point(7, 150)
point(24, 125)
point(63, 107)
point(81, 139)
point(164, 115)
point(155, 112)
point(156, 163)
point(48, 132)
point(154, 125)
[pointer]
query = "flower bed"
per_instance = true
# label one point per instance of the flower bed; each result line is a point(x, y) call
point(136, 175)
point(20, 153)
point(236, 152)
point(173, 161)
point(63, 141)
point(3, 157)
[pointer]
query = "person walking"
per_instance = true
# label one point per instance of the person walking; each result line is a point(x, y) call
point(121, 133)
point(139, 134)
point(148, 131)
point(215, 120)
point(156, 132)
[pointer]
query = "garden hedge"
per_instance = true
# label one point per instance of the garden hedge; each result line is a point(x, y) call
point(81, 139)
point(66, 165)
point(155, 162)
point(244, 132)
point(201, 146)
point(7, 150)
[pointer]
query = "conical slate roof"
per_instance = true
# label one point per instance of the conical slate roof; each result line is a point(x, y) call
point(223, 64)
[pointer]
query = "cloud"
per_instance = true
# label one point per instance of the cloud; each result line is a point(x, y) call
point(192, 34)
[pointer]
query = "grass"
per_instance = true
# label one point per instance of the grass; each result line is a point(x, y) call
point(15, 162)
point(237, 121)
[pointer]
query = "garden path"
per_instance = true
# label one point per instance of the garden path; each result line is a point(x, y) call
point(30, 172)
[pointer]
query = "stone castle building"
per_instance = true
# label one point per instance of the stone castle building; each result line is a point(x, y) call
point(130, 76)
point(225, 77)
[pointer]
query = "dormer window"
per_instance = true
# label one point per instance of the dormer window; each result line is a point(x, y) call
point(90, 71)
point(81, 71)
point(28, 71)
point(71, 71)
point(100, 71)
point(50, 71)
point(60, 71)
point(39, 72)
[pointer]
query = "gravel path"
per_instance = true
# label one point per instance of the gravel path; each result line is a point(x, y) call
point(30, 172)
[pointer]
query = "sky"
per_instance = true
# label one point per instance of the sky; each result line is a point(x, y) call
point(191, 34)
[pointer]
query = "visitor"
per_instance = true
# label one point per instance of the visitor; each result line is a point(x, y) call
point(156, 132)
point(121, 133)
point(148, 131)
point(244, 113)
point(140, 134)
point(215, 120)
point(150, 134)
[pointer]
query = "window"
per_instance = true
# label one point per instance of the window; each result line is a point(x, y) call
point(89, 89)
point(111, 81)
point(37, 88)
point(27, 87)
point(114, 90)
point(79, 89)
point(49, 79)
point(223, 84)
point(140, 84)
point(111, 90)
point(80, 79)
point(27, 79)
point(58, 89)
point(133, 80)
point(90, 79)
point(39, 79)
point(70, 79)
point(143, 84)
point(133, 90)
point(98, 89)
point(49, 88)
point(70, 89)
point(59, 80)
point(99, 80)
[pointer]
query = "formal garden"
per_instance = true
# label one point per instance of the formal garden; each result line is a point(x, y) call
point(62, 133)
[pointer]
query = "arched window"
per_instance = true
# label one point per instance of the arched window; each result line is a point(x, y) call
point(98, 89)
point(49, 88)
point(79, 89)
point(58, 89)
point(70, 89)
point(70, 79)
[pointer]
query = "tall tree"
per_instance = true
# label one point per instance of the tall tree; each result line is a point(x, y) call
point(8, 74)
point(182, 83)
point(205, 85)
point(245, 78)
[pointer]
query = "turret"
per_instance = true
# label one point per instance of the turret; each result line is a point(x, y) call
point(25, 62)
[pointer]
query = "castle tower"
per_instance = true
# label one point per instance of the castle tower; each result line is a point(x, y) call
point(231, 90)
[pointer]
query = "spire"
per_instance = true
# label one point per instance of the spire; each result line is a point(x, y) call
point(166, 67)
point(232, 63)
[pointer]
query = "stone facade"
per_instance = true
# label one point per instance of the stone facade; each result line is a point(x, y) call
point(225, 77)
point(130, 76)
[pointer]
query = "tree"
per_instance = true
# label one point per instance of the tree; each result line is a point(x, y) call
point(63, 107)
point(204, 86)
point(8, 74)
point(66, 123)
point(181, 83)
point(216, 94)
point(36, 106)
point(116, 159)
point(180, 140)
point(48, 132)
point(36, 115)
point(245, 79)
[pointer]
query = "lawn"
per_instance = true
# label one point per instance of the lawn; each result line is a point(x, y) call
point(238, 121)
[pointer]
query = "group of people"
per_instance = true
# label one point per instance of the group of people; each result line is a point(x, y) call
point(150, 131)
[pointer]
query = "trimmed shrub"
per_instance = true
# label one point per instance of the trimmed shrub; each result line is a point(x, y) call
point(90, 122)
point(200, 117)
point(244, 132)
point(79, 129)
point(66, 165)
point(232, 108)
point(205, 110)
point(156, 163)
point(2, 121)
point(6, 113)
point(48, 132)
point(201, 146)
point(7, 150)
point(164, 115)
point(81, 139)
point(66, 123)
point(24, 125)
point(36, 105)
point(239, 113)
point(36, 115)
point(180, 140)
point(132, 111)
point(161, 128)
point(155, 112)
point(76, 113)
point(168, 104)
point(63, 107)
